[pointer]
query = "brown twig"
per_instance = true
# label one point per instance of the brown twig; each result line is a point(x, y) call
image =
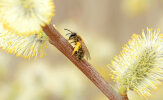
point(64, 46)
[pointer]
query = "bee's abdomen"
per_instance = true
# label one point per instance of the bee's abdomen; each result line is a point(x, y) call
point(80, 54)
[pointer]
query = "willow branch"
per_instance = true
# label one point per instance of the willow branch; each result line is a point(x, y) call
point(65, 47)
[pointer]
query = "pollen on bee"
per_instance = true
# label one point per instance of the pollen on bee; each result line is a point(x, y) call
point(80, 49)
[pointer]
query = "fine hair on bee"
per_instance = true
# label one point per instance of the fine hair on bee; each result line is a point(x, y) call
point(80, 49)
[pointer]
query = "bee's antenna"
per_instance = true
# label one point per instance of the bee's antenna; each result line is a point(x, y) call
point(68, 30)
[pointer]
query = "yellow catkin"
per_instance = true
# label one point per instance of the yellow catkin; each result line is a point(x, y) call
point(23, 46)
point(26, 17)
point(139, 66)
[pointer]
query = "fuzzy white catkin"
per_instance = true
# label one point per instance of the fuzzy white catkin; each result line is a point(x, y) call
point(139, 67)
point(24, 46)
point(26, 17)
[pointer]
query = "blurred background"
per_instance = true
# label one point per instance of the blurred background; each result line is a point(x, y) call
point(105, 25)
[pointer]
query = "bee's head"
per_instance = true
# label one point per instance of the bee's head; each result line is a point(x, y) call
point(72, 36)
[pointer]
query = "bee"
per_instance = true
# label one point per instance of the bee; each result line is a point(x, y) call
point(80, 49)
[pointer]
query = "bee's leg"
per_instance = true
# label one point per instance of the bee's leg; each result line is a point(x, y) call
point(72, 42)
point(78, 45)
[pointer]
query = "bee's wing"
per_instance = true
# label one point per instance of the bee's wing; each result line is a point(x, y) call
point(87, 54)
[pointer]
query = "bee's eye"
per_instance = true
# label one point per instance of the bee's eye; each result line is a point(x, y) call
point(73, 34)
